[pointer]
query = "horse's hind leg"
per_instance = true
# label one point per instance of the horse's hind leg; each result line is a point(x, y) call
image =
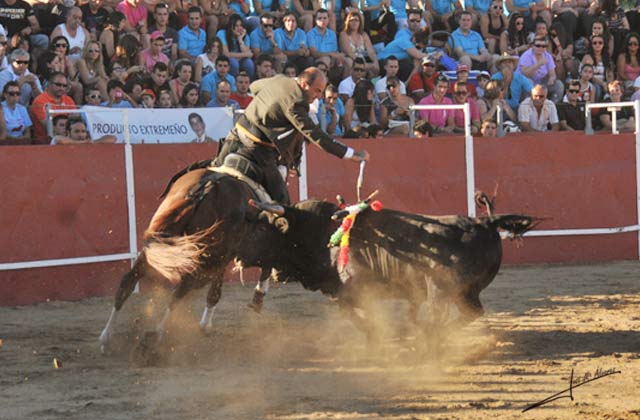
point(213, 297)
point(189, 282)
point(127, 285)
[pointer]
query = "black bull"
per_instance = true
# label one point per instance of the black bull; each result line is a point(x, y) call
point(205, 222)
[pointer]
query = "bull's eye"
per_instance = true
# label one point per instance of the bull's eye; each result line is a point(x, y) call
point(281, 224)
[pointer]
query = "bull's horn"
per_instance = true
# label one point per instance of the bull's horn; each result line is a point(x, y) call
point(276, 209)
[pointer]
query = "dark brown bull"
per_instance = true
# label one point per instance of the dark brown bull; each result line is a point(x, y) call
point(394, 254)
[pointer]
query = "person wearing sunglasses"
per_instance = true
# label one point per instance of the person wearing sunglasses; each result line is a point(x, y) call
point(414, 20)
point(492, 25)
point(629, 61)
point(571, 111)
point(539, 65)
point(397, 108)
point(18, 71)
point(56, 97)
point(16, 118)
point(598, 56)
point(513, 41)
point(461, 95)
point(358, 72)
point(263, 41)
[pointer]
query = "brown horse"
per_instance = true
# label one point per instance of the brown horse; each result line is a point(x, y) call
point(203, 223)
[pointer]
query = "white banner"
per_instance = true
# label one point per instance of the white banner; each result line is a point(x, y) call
point(175, 125)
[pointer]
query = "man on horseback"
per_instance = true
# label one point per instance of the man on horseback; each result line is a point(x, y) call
point(273, 128)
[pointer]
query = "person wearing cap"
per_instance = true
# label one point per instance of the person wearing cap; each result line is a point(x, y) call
point(147, 99)
point(482, 78)
point(468, 46)
point(516, 85)
point(152, 55)
point(422, 81)
point(161, 16)
point(440, 119)
point(462, 75)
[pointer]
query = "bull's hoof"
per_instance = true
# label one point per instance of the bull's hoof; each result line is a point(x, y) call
point(145, 352)
point(257, 302)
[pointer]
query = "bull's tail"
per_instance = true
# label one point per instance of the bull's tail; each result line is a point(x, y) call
point(516, 224)
point(175, 256)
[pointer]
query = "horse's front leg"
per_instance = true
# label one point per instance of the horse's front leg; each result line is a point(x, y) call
point(261, 290)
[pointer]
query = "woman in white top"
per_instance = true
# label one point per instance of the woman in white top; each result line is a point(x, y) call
point(206, 62)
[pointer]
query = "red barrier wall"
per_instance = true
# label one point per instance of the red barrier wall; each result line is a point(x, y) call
point(62, 202)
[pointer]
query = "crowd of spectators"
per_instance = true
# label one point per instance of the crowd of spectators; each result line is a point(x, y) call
point(537, 63)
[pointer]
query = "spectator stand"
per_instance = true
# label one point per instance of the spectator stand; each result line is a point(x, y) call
point(470, 171)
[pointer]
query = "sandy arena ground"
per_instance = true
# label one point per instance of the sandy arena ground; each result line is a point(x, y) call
point(301, 359)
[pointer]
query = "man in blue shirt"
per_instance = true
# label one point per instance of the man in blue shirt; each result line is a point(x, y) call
point(292, 41)
point(468, 46)
point(263, 41)
point(221, 100)
point(441, 13)
point(323, 44)
point(211, 80)
point(192, 39)
point(405, 50)
point(519, 86)
point(414, 17)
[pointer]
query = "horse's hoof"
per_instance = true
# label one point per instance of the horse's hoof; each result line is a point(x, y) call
point(206, 330)
point(257, 302)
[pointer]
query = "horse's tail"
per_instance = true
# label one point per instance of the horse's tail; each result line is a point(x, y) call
point(175, 256)
point(516, 224)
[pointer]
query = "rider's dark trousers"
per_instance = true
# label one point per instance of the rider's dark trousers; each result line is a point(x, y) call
point(265, 160)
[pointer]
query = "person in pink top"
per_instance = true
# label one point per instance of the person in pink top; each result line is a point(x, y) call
point(461, 95)
point(152, 55)
point(135, 12)
point(440, 119)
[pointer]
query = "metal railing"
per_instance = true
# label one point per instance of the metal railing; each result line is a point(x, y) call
point(468, 145)
point(613, 107)
point(469, 159)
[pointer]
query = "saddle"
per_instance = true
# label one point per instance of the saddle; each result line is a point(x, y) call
point(243, 170)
